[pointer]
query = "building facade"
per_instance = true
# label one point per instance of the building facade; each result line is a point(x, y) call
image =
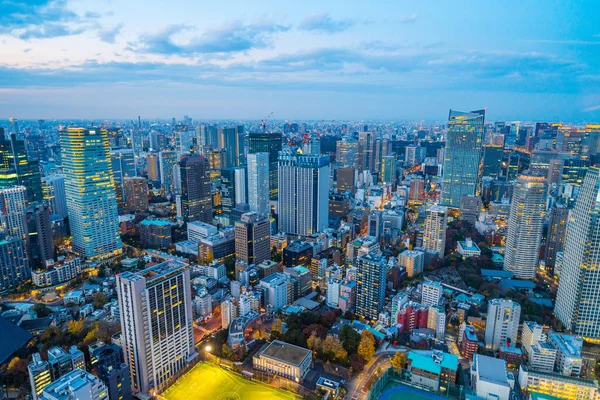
point(90, 192)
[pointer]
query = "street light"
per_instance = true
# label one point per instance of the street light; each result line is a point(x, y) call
point(208, 349)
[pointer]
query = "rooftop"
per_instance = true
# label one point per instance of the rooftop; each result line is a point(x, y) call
point(491, 369)
point(155, 222)
point(433, 361)
point(12, 338)
point(284, 352)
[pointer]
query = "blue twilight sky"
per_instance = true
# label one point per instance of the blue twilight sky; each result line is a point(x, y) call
point(522, 60)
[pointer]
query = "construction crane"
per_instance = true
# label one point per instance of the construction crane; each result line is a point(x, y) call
point(263, 122)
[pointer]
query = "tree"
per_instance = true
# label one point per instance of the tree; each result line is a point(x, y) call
point(75, 327)
point(366, 347)
point(314, 343)
point(41, 310)
point(16, 374)
point(226, 351)
point(357, 363)
point(100, 300)
point(333, 349)
point(399, 360)
point(350, 339)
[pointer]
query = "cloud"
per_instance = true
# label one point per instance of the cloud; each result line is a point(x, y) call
point(110, 35)
point(569, 42)
point(592, 108)
point(39, 19)
point(322, 22)
point(229, 38)
point(408, 18)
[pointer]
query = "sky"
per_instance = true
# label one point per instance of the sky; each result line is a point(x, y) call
point(397, 59)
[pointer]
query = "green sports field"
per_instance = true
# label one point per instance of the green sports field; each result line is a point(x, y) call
point(208, 381)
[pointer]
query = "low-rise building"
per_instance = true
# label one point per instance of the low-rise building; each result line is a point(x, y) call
point(283, 359)
point(568, 355)
point(155, 233)
point(542, 357)
point(77, 384)
point(468, 248)
point(432, 369)
point(563, 387)
point(468, 341)
point(511, 354)
point(489, 378)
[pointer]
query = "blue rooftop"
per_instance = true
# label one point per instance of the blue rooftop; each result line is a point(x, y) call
point(425, 360)
point(155, 222)
point(496, 273)
point(517, 284)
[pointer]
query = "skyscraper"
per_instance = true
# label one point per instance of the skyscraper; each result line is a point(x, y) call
point(195, 187)
point(388, 170)
point(252, 238)
point(258, 182)
point(303, 193)
point(54, 194)
point(41, 241)
point(371, 277)
point(502, 323)
point(13, 209)
point(525, 225)
point(17, 169)
point(461, 170)
point(156, 321)
point(578, 297)
point(90, 191)
point(434, 237)
point(366, 153)
point(557, 232)
point(136, 194)
point(123, 166)
point(152, 168)
point(14, 263)
point(261, 142)
point(232, 140)
point(346, 152)
point(166, 161)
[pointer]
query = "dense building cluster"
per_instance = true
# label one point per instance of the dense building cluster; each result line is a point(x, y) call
point(473, 247)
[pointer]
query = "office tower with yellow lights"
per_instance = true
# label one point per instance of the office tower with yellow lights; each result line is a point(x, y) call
point(525, 225)
point(156, 322)
point(90, 193)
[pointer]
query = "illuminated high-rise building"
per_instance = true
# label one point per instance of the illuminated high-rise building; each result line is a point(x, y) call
point(388, 169)
point(303, 193)
point(123, 166)
point(195, 187)
point(17, 169)
point(462, 156)
point(258, 182)
point(232, 140)
point(152, 168)
point(371, 277)
point(578, 297)
point(90, 192)
point(14, 263)
point(166, 162)
point(252, 239)
point(346, 153)
point(366, 151)
point(136, 194)
point(525, 225)
point(263, 142)
point(54, 194)
point(434, 237)
point(557, 232)
point(156, 322)
point(13, 209)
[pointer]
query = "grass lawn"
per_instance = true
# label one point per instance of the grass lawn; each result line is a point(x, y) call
point(208, 381)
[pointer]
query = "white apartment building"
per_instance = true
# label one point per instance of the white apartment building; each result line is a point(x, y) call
point(431, 293)
point(434, 237)
point(413, 262)
point(502, 323)
point(568, 356)
point(156, 323)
